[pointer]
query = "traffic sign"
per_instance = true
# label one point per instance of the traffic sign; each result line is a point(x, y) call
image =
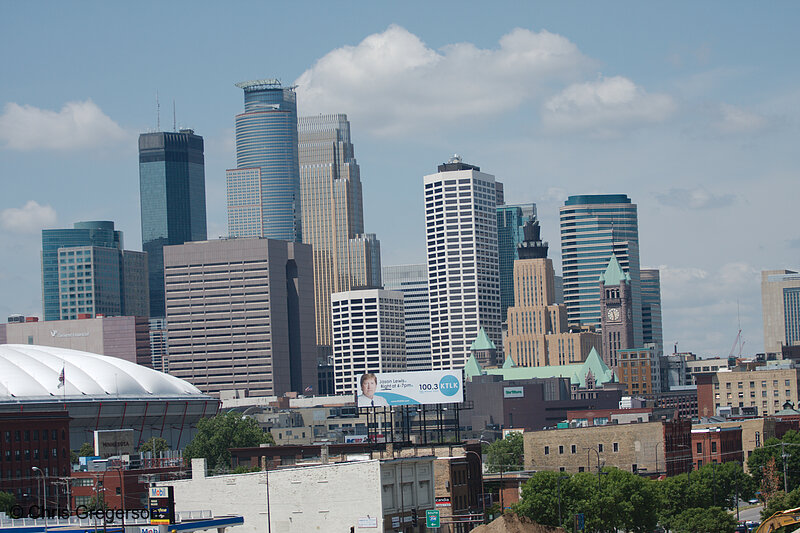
point(432, 518)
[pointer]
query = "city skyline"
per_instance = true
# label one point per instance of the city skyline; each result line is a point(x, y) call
point(676, 111)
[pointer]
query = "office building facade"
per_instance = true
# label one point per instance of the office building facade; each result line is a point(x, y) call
point(123, 337)
point(92, 233)
point(94, 278)
point(652, 332)
point(780, 306)
point(412, 281)
point(463, 269)
point(172, 192)
point(510, 220)
point(368, 335)
point(593, 228)
point(332, 216)
point(240, 315)
point(263, 191)
point(538, 333)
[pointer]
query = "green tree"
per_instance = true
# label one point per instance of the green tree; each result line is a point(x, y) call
point(707, 520)
point(630, 501)
point(155, 445)
point(86, 450)
point(506, 454)
point(7, 501)
point(772, 449)
point(217, 434)
point(781, 502)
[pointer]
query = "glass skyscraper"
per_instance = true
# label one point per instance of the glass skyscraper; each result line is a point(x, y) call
point(345, 257)
point(264, 189)
point(86, 272)
point(510, 221)
point(651, 309)
point(593, 228)
point(93, 233)
point(172, 192)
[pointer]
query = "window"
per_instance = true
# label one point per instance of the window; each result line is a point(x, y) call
point(547, 450)
point(561, 449)
point(714, 447)
point(699, 447)
point(573, 449)
point(615, 446)
point(600, 448)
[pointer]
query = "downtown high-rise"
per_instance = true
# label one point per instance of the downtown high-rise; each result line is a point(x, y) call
point(593, 229)
point(345, 257)
point(172, 193)
point(780, 305)
point(510, 221)
point(263, 191)
point(412, 281)
point(463, 272)
point(85, 272)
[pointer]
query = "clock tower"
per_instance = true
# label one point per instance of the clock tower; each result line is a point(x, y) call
point(616, 311)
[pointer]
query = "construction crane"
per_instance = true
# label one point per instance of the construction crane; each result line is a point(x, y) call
point(780, 519)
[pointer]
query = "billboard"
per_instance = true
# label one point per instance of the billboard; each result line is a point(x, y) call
point(410, 388)
point(112, 442)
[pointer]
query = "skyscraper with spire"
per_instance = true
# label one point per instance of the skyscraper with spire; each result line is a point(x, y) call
point(345, 257)
point(263, 190)
point(172, 193)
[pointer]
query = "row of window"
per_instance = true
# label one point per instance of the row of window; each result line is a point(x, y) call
point(28, 435)
point(573, 448)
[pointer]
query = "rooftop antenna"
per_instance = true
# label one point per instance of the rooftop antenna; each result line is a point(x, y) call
point(158, 113)
point(174, 127)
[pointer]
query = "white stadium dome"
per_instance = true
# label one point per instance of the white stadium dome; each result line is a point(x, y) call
point(30, 372)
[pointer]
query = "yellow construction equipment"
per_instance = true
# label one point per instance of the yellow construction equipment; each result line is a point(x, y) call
point(780, 519)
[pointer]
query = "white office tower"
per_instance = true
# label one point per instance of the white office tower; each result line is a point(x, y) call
point(368, 335)
point(412, 281)
point(463, 265)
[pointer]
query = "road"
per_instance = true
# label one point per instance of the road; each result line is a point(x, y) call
point(749, 513)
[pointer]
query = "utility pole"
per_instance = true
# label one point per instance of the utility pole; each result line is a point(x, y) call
point(785, 456)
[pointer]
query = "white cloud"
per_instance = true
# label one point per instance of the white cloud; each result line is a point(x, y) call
point(605, 106)
point(697, 198)
point(30, 218)
point(392, 82)
point(77, 126)
point(737, 120)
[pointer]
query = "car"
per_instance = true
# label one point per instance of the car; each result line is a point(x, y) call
point(753, 501)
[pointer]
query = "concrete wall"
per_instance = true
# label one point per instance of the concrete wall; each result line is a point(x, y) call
point(332, 497)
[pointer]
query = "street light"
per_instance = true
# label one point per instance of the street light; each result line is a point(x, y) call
point(44, 500)
point(598, 463)
point(665, 457)
point(483, 494)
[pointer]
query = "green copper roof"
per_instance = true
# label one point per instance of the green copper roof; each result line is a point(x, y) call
point(577, 372)
point(482, 342)
point(472, 368)
point(614, 274)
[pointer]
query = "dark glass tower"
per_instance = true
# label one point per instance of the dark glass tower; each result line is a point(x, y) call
point(264, 189)
point(510, 221)
point(172, 189)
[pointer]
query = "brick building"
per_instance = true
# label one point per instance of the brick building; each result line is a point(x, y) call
point(31, 440)
point(716, 445)
point(766, 388)
point(652, 447)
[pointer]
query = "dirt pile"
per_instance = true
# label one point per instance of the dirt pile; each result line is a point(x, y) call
point(511, 523)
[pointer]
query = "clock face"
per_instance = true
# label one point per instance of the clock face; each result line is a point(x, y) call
point(613, 314)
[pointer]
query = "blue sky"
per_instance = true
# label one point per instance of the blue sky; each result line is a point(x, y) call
point(689, 108)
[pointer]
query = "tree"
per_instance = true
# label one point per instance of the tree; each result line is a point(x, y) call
point(781, 502)
point(7, 501)
point(217, 434)
point(770, 482)
point(506, 454)
point(86, 450)
point(154, 445)
point(708, 520)
point(772, 449)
